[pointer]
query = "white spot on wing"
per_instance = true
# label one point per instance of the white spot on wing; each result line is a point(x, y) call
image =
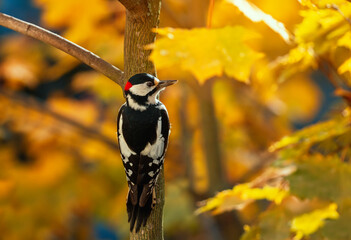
point(125, 160)
point(156, 150)
point(146, 149)
point(151, 173)
point(125, 150)
point(129, 172)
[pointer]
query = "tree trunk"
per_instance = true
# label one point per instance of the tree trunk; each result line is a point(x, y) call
point(140, 22)
point(138, 34)
point(211, 143)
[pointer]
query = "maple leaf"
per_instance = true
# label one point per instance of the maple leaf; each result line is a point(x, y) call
point(206, 52)
point(319, 132)
point(240, 196)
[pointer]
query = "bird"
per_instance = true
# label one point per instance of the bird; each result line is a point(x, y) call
point(143, 128)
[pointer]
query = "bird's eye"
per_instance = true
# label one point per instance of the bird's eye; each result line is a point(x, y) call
point(149, 84)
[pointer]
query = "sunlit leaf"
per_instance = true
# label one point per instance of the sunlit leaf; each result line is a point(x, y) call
point(257, 15)
point(240, 196)
point(324, 26)
point(315, 133)
point(308, 223)
point(299, 59)
point(206, 52)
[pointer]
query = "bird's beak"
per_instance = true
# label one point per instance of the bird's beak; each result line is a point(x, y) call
point(166, 83)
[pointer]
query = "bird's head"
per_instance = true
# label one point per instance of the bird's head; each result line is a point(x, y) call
point(142, 89)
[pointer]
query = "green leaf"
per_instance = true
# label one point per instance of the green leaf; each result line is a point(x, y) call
point(326, 178)
point(274, 224)
point(206, 52)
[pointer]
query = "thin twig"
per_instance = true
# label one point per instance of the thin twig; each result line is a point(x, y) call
point(32, 104)
point(210, 13)
point(330, 74)
point(63, 44)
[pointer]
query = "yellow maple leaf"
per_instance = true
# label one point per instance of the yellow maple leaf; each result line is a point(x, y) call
point(240, 196)
point(308, 223)
point(206, 52)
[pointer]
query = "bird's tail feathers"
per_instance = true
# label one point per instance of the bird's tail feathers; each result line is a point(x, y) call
point(137, 215)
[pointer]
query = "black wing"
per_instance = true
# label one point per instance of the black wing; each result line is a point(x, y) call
point(152, 157)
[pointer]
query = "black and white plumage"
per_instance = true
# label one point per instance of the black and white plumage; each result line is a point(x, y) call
point(142, 128)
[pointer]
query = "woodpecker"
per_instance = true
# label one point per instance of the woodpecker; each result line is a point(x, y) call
point(142, 129)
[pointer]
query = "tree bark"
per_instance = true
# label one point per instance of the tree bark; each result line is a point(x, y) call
point(142, 17)
point(138, 34)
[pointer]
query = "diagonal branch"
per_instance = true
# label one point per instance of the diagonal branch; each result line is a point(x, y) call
point(65, 45)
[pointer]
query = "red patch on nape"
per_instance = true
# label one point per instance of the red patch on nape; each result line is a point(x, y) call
point(128, 85)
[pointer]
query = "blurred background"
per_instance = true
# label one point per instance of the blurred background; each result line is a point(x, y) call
point(61, 174)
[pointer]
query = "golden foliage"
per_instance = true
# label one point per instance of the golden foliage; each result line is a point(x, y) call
point(223, 51)
point(58, 130)
point(240, 196)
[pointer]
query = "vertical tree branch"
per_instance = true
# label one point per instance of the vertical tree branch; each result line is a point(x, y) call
point(141, 18)
point(139, 33)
